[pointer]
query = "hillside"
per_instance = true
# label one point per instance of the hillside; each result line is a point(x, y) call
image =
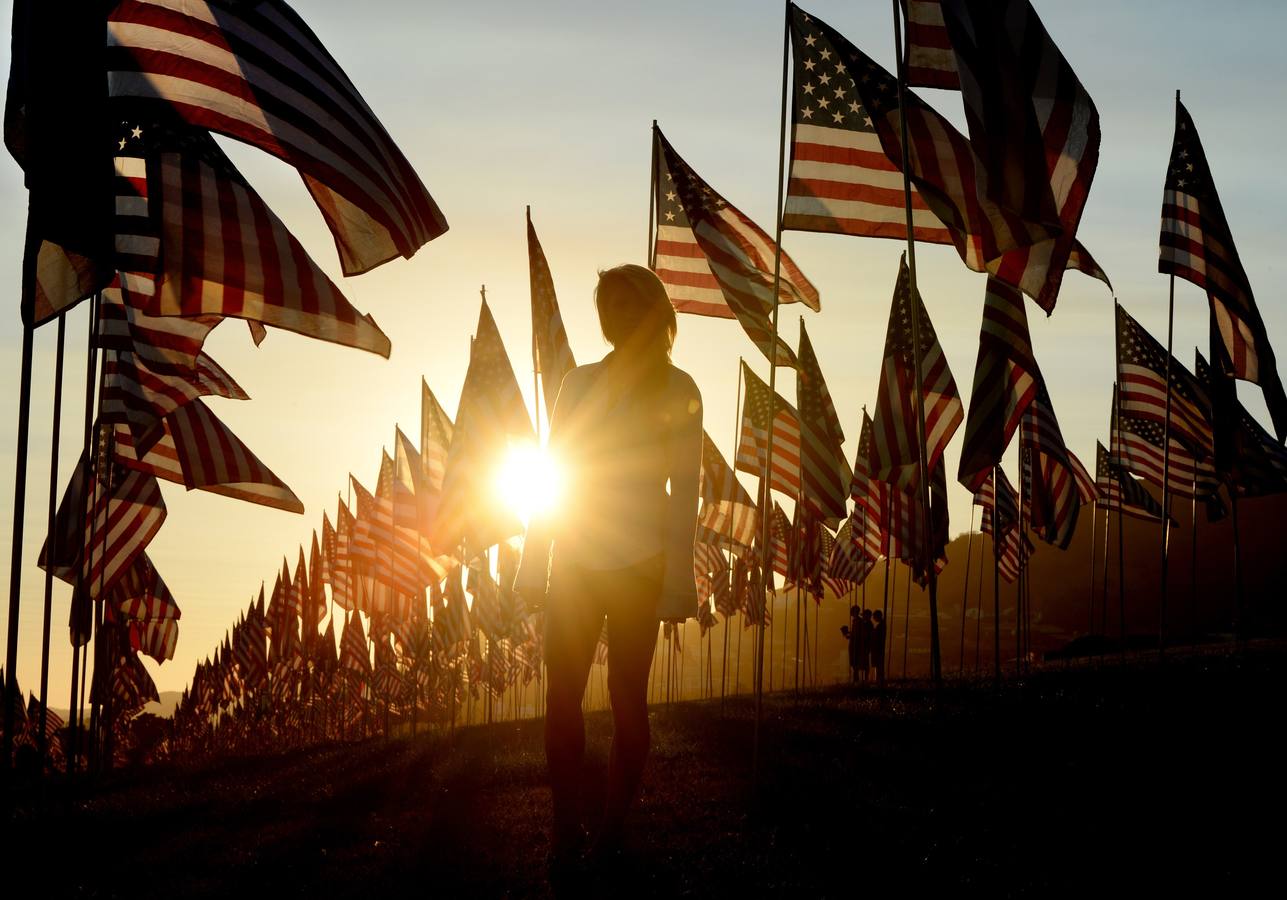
point(1058, 784)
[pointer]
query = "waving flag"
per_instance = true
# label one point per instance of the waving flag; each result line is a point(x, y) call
point(727, 509)
point(895, 446)
point(824, 474)
point(714, 261)
point(256, 72)
point(1035, 130)
point(763, 410)
point(930, 60)
point(1141, 386)
point(1197, 245)
point(1116, 488)
point(1006, 380)
point(552, 354)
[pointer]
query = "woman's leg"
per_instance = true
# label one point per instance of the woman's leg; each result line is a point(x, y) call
point(632, 632)
point(573, 622)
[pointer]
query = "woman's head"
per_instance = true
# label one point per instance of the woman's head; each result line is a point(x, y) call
point(634, 312)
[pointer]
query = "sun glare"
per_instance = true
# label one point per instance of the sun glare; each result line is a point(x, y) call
point(529, 482)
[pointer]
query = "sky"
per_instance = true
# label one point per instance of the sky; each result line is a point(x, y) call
point(500, 104)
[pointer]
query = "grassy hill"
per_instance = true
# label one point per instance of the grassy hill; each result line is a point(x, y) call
point(1141, 777)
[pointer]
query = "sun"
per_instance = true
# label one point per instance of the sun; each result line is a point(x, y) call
point(529, 482)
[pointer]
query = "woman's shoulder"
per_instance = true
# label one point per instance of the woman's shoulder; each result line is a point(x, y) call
point(683, 391)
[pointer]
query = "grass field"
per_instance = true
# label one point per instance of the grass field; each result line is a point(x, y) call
point(1108, 778)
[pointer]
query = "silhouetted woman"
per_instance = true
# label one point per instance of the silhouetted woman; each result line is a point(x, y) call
point(621, 545)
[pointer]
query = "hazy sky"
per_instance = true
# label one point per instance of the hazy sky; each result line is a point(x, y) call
point(502, 104)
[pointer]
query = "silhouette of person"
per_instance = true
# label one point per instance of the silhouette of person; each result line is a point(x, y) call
point(853, 634)
point(878, 646)
point(864, 644)
point(619, 547)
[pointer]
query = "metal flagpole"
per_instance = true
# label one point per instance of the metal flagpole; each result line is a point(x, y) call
point(1090, 601)
point(773, 370)
point(965, 588)
point(51, 541)
point(907, 624)
point(1025, 468)
point(918, 399)
point(889, 621)
point(996, 578)
point(1103, 592)
point(1166, 463)
point(15, 562)
point(1193, 551)
point(978, 592)
point(651, 255)
point(1121, 543)
point(1238, 625)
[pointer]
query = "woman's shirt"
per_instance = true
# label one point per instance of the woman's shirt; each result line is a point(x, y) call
point(620, 437)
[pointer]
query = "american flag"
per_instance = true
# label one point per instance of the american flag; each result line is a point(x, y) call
point(400, 565)
point(847, 561)
point(256, 72)
point(760, 408)
point(199, 451)
point(1036, 132)
point(841, 179)
point(931, 61)
point(342, 576)
point(1258, 463)
point(225, 253)
point(1197, 245)
point(780, 540)
point(1141, 381)
point(845, 188)
point(451, 623)
point(1116, 488)
point(157, 639)
point(727, 509)
point(825, 476)
point(490, 416)
point(141, 594)
point(354, 655)
point(1138, 448)
point(895, 449)
point(435, 437)
point(297, 594)
point(1007, 515)
point(1053, 494)
point(867, 518)
point(551, 352)
point(905, 536)
point(715, 261)
point(101, 546)
point(1006, 378)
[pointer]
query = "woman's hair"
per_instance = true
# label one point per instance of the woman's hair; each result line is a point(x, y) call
point(634, 312)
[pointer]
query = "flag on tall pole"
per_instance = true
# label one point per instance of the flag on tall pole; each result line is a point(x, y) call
point(55, 125)
point(715, 261)
point(825, 477)
point(1006, 380)
point(895, 446)
point(491, 414)
point(551, 353)
point(727, 509)
point(764, 411)
point(930, 59)
point(1197, 245)
point(1116, 488)
point(1036, 131)
point(1257, 462)
point(256, 72)
point(1142, 370)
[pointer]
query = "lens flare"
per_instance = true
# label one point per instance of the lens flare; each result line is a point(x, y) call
point(529, 482)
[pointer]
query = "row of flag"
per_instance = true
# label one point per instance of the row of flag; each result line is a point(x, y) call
point(111, 113)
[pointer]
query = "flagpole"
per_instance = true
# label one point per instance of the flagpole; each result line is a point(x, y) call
point(651, 254)
point(965, 588)
point(765, 510)
point(1193, 550)
point(1166, 465)
point(1025, 472)
point(1238, 634)
point(15, 563)
point(936, 673)
point(536, 358)
point(1090, 602)
point(978, 592)
point(996, 577)
point(737, 428)
point(51, 540)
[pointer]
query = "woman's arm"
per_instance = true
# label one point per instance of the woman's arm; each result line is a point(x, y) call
point(679, 588)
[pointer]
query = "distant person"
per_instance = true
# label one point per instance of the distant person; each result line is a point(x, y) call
point(853, 634)
point(878, 646)
point(622, 549)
